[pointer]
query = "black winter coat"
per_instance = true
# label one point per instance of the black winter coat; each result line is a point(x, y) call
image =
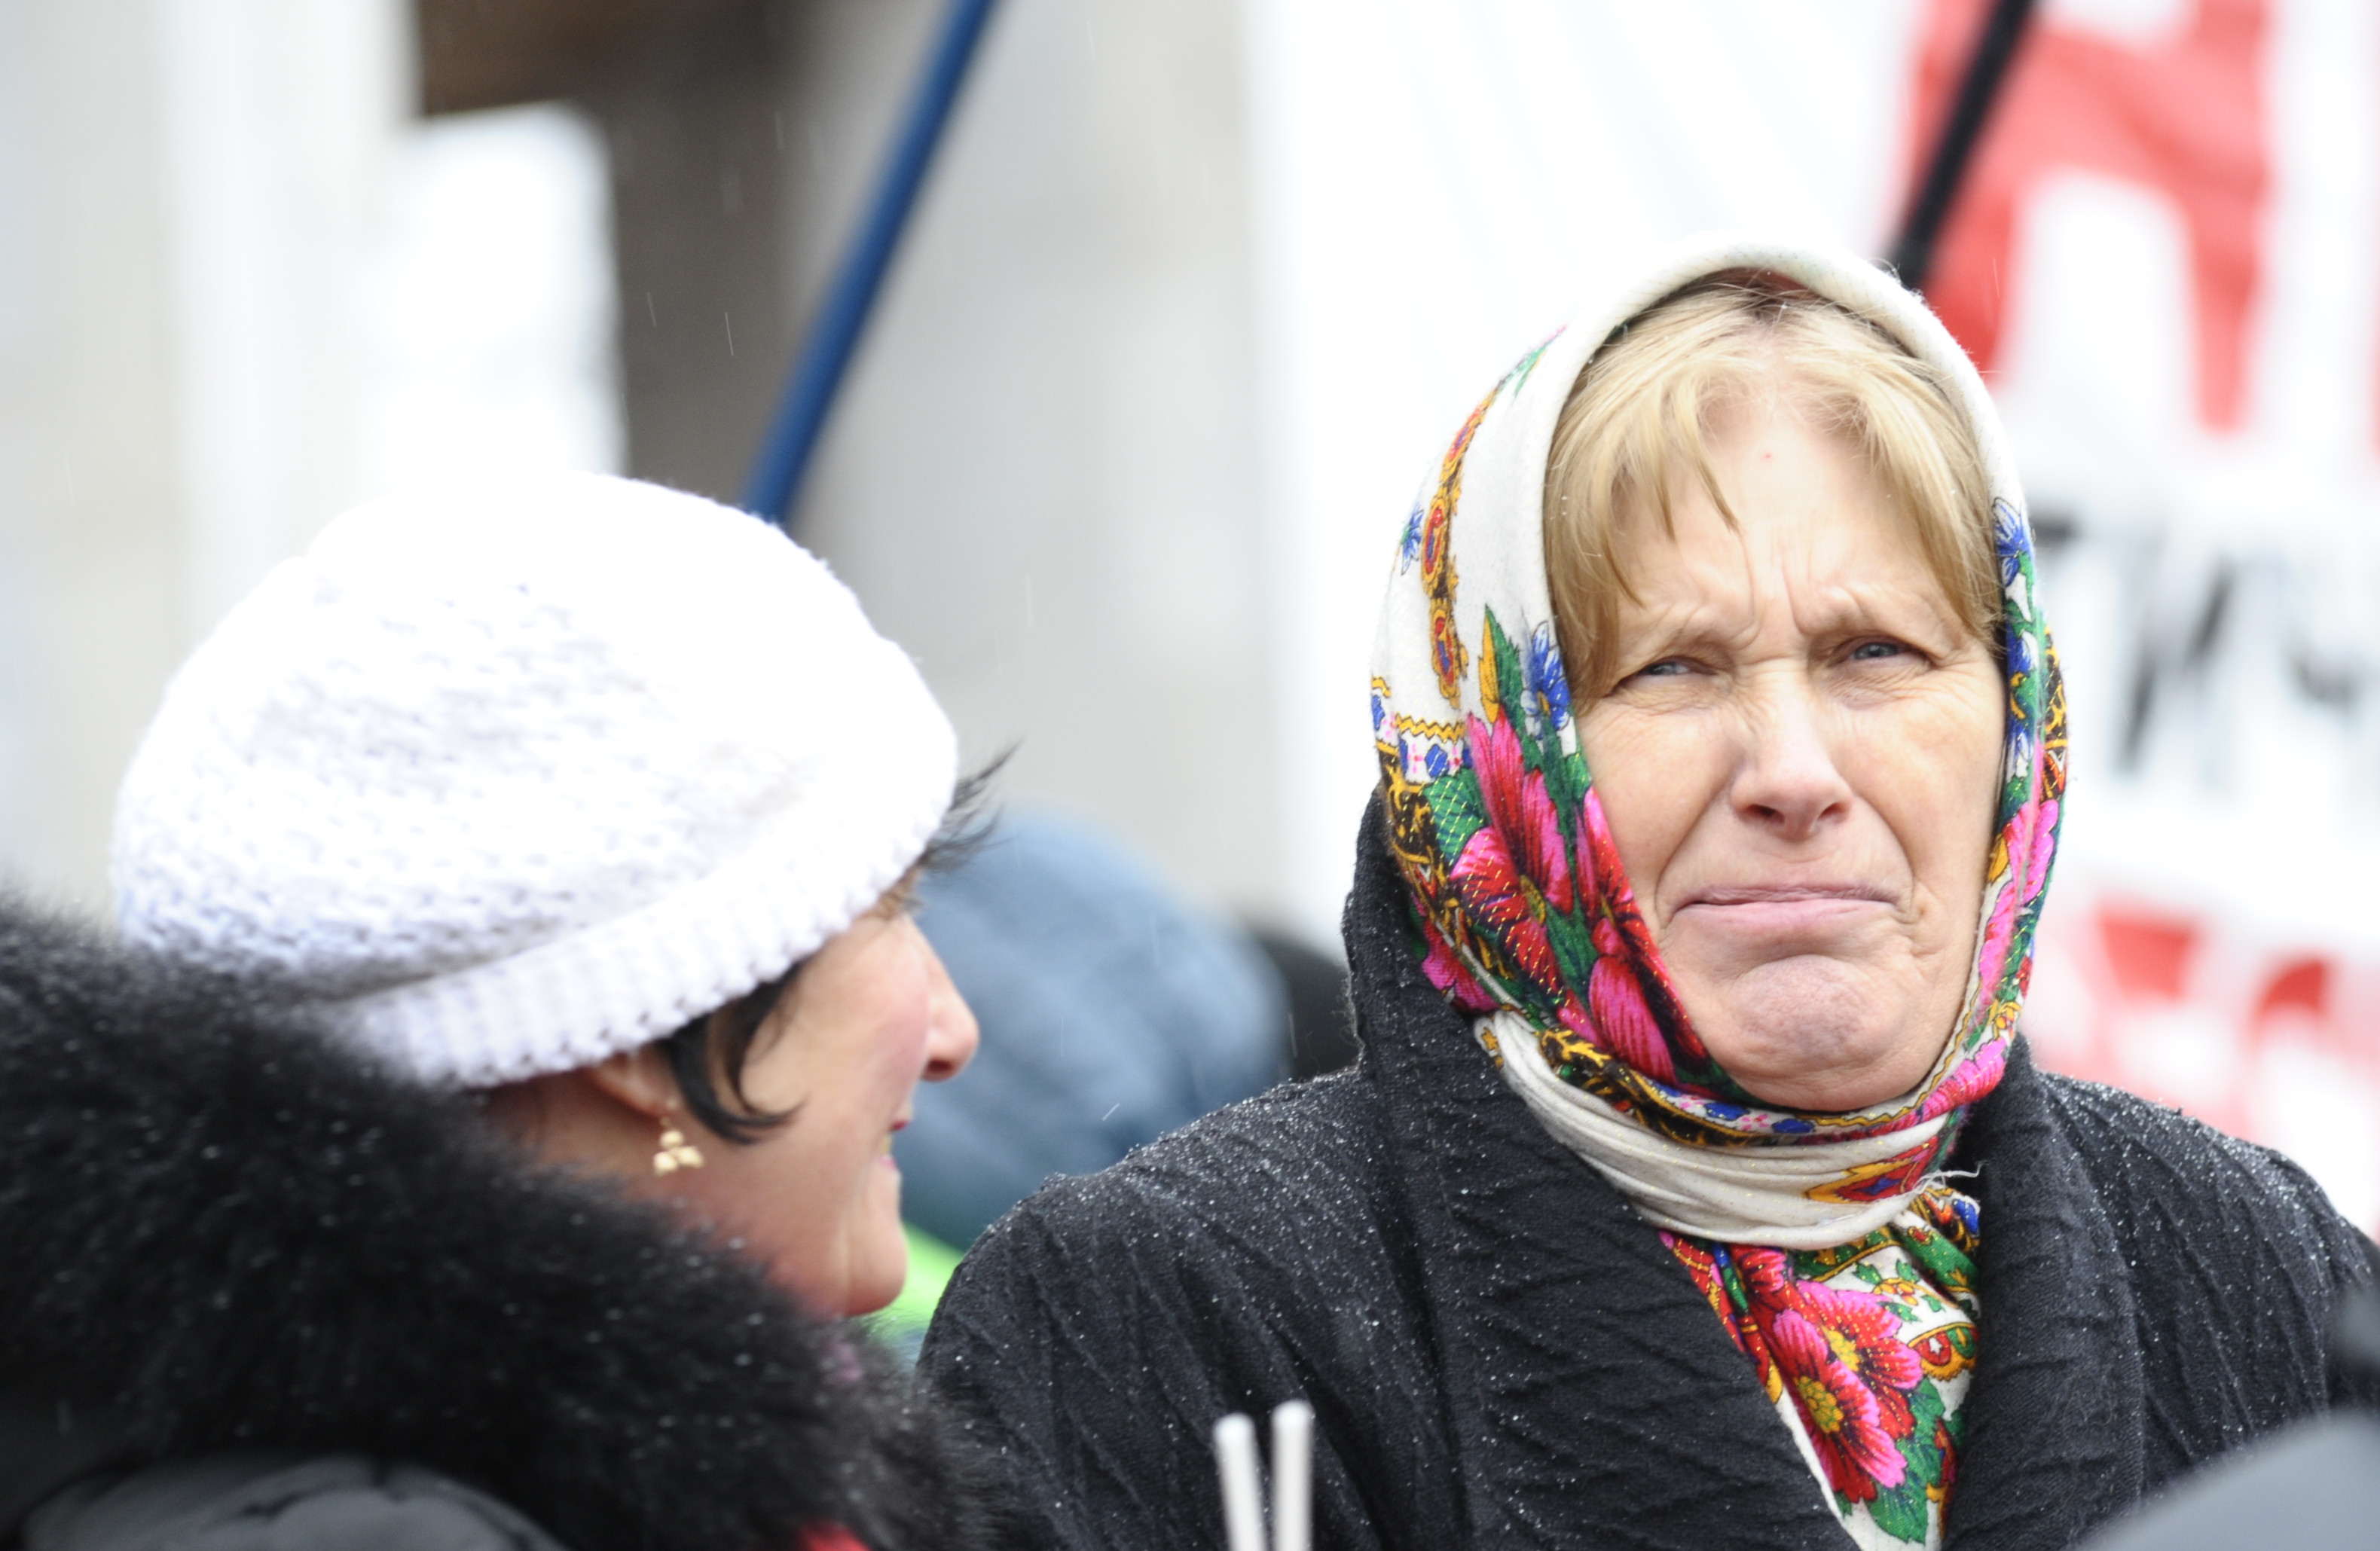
point(253, 1295)
point(1502, 1353)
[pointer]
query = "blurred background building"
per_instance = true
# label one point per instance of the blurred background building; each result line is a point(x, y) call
point(1197, 291)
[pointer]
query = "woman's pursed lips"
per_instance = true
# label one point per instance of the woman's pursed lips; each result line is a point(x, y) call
point(1782, 910)
point(1787, 893)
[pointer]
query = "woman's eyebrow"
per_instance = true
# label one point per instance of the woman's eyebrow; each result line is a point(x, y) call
point(1848, 611)
point(1682, 626)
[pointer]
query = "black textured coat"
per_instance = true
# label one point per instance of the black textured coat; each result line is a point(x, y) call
point(227, 1246)
point(1502, 1353)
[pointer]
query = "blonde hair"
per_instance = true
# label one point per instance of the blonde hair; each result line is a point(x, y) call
point(1637, 419)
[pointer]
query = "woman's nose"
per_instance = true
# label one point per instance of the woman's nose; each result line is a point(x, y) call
point(951, 1033)
point(1789, 780)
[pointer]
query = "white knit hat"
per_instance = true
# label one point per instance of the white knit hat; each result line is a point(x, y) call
point(508, 779)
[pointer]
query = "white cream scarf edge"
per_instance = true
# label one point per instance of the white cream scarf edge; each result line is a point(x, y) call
point(1750, 1194)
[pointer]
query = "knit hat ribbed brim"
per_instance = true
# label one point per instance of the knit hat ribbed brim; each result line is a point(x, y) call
point(505, 780)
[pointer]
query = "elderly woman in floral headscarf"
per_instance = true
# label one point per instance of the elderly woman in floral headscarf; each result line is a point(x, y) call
point(1696, 1188)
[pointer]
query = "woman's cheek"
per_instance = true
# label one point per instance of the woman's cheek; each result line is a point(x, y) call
point(1649, 818)
point(876, 1248)
point(1938, 772)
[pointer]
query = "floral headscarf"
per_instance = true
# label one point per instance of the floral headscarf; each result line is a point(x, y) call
point(1837, 1256)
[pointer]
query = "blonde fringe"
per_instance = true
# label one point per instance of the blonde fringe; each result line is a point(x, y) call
point(1633, 430)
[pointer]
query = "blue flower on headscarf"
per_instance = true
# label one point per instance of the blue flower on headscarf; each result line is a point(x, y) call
point(2019, 653)
point(1409, 547)
point(2014, 543)
point(2008, 531)
point(1547, 685)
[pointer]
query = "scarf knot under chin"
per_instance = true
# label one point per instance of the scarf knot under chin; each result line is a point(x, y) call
point(1832, 1247)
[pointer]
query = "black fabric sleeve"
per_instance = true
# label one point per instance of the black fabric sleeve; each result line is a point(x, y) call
point(2349, 1261)
point(1092, 1338)
point(2239, 1261)
point(1075, 1355)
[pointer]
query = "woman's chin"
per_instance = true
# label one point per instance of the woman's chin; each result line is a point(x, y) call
point(1814, 1034)
point(867, 1293)
point(879, 1256)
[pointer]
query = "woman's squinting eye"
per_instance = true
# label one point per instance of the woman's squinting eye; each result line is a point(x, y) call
point(1872, 651)
point(1669, 667)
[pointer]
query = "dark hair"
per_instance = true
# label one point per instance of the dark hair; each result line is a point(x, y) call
point(717, 1043)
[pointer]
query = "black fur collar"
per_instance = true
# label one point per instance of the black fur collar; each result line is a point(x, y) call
point(234, 1235)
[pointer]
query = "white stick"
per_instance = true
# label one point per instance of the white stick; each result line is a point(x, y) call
point(1235, 1457)
point(1293, 1475)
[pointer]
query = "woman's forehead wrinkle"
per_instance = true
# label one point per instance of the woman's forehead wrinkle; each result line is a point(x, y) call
point(1836, 606)
point(1723, 588)
point(1736, 590)
point(1686, 603)
point(1896, 593)
point(1834, 573)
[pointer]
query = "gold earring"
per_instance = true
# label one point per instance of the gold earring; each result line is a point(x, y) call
point(676, 1152)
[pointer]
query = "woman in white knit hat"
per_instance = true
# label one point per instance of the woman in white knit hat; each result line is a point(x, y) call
point(580, 814)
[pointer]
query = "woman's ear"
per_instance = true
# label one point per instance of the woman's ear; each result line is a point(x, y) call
point(639, 1080)
point(600, 1115)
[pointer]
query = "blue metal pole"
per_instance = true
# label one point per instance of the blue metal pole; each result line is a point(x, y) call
point(826, 352)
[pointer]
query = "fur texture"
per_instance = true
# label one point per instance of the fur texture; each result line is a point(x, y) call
point(240, 1237)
